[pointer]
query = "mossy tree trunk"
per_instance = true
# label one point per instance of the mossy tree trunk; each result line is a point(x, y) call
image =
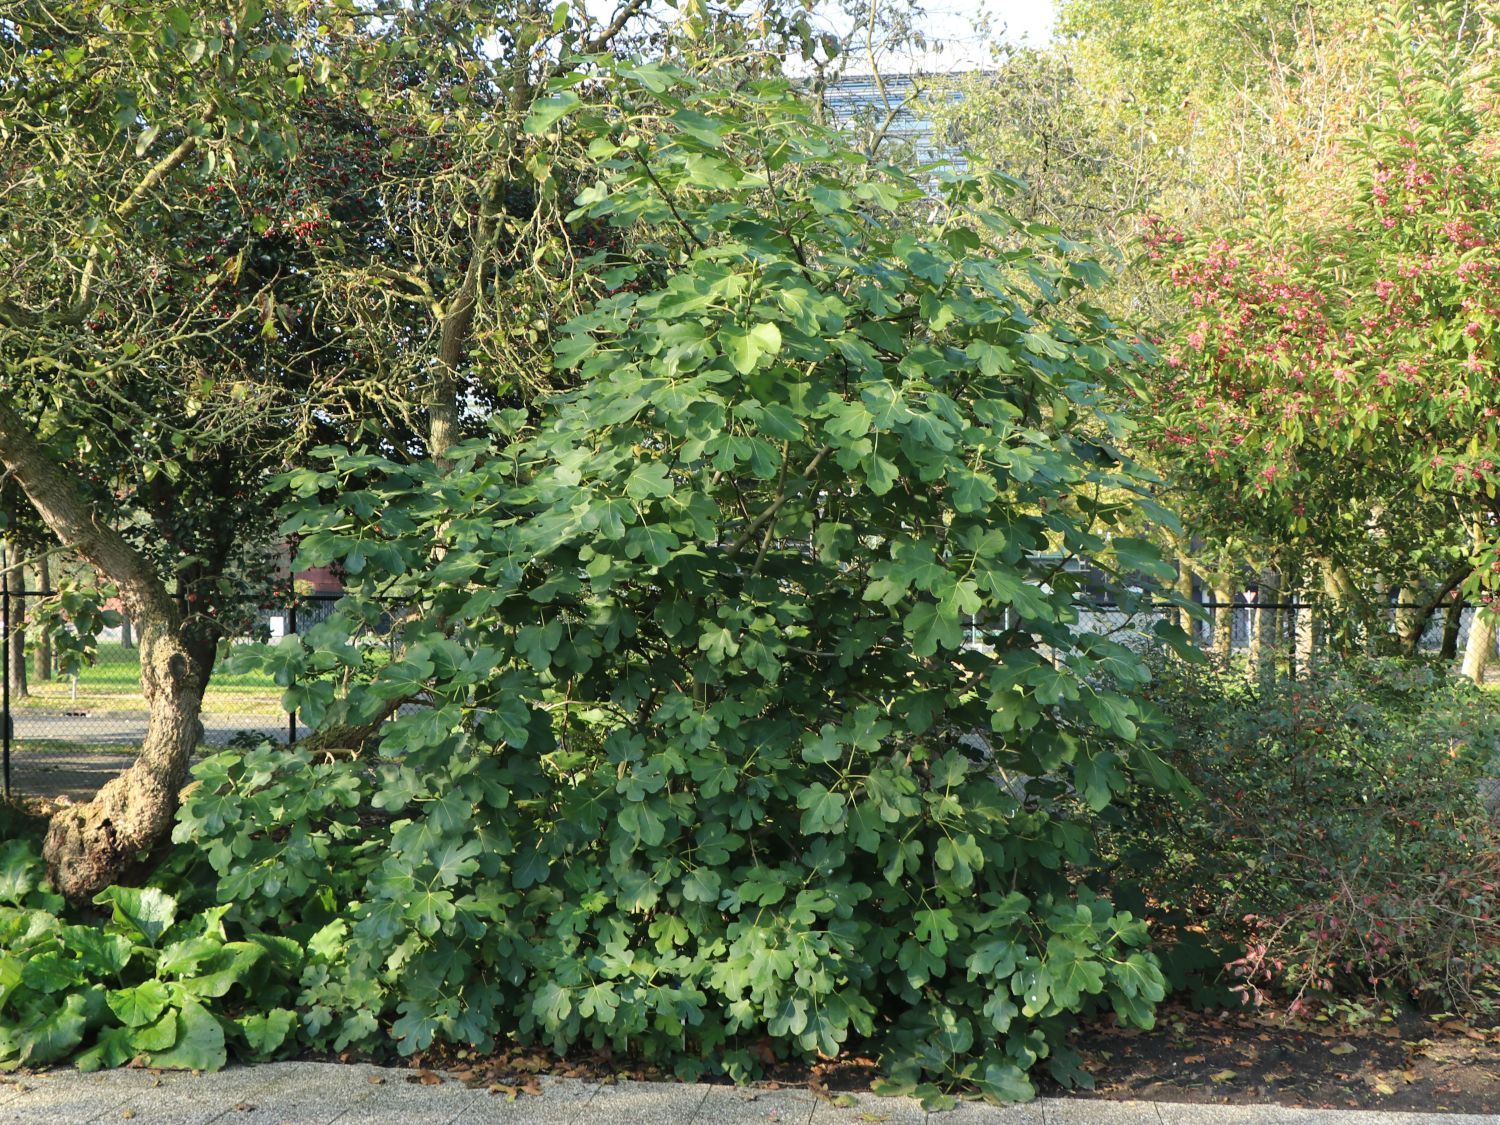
point(1264, 642)
point(15, 670)
point(90, 846)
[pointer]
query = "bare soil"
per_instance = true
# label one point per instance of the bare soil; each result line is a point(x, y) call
point(1233, 1058)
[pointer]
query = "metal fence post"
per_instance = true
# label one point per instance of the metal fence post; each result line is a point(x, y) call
point(5, 721)
point(291, 631)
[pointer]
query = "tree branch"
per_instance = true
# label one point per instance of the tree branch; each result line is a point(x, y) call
point(607, 34)
point(64, 510)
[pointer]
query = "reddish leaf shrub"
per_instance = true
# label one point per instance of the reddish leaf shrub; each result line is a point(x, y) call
point(1340, 848)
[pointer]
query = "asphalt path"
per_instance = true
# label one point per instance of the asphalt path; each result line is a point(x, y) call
point(46, 762)
point(127, 729)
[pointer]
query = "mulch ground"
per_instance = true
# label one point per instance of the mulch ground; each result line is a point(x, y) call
point(1229, 1058)
point(1203, 1057)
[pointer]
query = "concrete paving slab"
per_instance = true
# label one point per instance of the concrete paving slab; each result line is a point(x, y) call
point(321, 1093)
point(333, 1094)
point(645, 1103)
point(388, 1096)
point(64, 1096)
point(1085, 1111)
point(735, 1105)
point(290, 1094)
point(870, 1110)
point(563, 1101)
point(1180, 1113)
point(982, 1113)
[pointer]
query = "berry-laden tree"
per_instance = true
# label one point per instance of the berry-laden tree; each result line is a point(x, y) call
point(229, 237)
point(1335, 376)
point(756, 699)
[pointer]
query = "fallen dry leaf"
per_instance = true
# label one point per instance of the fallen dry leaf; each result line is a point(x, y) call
point(1223, 1076)
point(1342, 1049)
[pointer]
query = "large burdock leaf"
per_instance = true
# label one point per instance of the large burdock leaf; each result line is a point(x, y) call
point(54, 1035)
point(144, 911)
point(142, 1004)
point(200, 1041)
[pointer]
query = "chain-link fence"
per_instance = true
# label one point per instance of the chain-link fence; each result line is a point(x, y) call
point(1293, 630)
point(65, 735)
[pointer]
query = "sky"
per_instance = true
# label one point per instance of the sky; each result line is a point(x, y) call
point(1021, 20)
point(954, 24)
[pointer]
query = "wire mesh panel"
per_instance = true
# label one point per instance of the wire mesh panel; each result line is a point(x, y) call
point(67, 734)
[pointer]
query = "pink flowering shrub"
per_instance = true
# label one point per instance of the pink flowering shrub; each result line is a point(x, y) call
point(1354, 351)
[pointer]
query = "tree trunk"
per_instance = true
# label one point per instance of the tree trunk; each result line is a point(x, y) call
point(127, 637)
point(43, 643)
point(453, 340)
point(1185, 591)
point(93, 845)
point(16, 672)
point(1452, 623)
point(1263, 645)
point(1481, 645)
point(1340, 629)
point(1290, 618)
point(1223, 618)
point(1409, 629)
point(1410, 620)
point(1304, 630)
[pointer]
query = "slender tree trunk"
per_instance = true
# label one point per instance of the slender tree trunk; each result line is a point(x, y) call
point(1481, 645)
point(1264, 644)
point(1410, 620)
point(1223, 618)
point(127, 636)
point(16, 672)
point(1185, 591)
point(1289, 618)
point(1304, 632)
point(454, 335)
point(1452, 623)
point(1341, 630)
point(43, 642)
point(92, 845)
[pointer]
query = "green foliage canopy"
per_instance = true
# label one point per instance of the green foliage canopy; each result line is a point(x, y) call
point(706, 750)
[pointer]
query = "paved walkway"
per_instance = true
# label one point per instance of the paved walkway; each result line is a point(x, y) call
point(327, 1093)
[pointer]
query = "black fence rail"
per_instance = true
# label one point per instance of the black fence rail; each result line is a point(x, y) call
point(64, 735)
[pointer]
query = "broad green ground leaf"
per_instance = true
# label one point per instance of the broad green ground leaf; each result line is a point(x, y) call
point(199, 1044)
point(140, 1004)
point(145, 912)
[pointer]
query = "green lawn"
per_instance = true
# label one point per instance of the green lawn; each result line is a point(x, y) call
point(113, 683)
